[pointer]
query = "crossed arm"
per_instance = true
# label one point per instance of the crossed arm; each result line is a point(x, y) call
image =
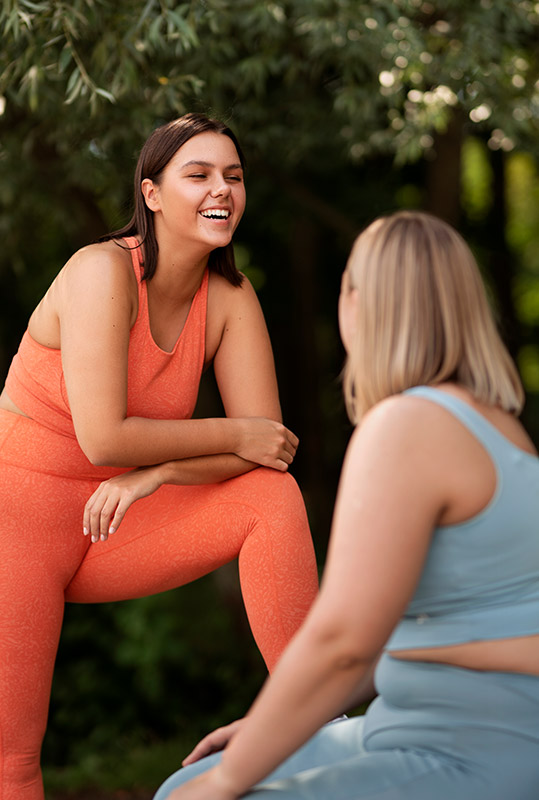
point(96, 318)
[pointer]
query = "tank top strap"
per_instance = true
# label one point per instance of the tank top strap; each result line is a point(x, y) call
point(135, 249)
point(487, 434)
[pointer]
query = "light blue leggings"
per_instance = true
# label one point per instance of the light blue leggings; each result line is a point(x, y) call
point(434, 733)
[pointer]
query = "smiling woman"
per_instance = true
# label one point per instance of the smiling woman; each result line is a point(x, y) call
point(105, 380)
point(201, 200)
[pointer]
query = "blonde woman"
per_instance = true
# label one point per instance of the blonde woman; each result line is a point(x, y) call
point(432, 576)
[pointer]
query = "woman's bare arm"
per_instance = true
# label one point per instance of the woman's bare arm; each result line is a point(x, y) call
point(381, 531)
point(96, 313)
point(246, 379)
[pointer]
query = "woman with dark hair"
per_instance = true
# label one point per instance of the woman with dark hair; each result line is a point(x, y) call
point(105, 380)
point(432, 577)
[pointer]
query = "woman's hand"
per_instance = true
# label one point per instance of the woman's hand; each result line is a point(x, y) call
point(266, 442)
point(213, 742)
point(209, 786)
point(106, 508)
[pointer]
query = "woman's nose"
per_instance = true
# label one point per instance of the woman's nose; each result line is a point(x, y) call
point(220, 187)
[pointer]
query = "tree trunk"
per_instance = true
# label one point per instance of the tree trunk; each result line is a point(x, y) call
point(443, 172)
point(303, 397)
point(501, 263)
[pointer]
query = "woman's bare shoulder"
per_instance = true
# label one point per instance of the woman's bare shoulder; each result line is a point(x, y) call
point(404, 424)
point(88, 277)
point(100, 255)
point(398, 411)
point(225, 299)
point(102, 265)
point(221, 286)
point(92, 275)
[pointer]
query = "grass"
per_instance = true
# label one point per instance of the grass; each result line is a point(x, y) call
point(127, 770)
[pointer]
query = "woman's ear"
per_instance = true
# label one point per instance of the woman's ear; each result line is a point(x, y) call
point(150, 190)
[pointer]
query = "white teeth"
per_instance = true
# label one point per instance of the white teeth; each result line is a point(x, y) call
point(216, 213)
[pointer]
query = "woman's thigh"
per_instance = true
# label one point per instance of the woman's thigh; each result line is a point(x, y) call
point(42, 546)
point(334, 765)
point(180, 533)
point(331, 745)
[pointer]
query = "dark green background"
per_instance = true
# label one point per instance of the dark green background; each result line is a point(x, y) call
point(345, 110)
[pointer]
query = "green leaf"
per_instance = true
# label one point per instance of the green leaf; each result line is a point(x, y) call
point(73, 78)
point(107, 95)
point(66, 56)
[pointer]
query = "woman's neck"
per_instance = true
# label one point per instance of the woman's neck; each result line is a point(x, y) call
point(179, 271)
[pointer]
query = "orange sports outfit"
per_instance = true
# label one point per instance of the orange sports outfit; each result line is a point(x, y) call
point(174, 536)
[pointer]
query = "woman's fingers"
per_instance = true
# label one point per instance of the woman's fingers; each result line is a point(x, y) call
point(268, 443)
point(293, 440)
point(119, 514)
point(89, 527)
point(291, 443)
point(103, 505)
point(210, 744)
point(108, 511)
point(104, 512)
point(288, 452)
point(213, 742)
point(289, 448)
point(106, 508)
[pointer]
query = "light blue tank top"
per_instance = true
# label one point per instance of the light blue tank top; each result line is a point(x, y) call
point(481, 577)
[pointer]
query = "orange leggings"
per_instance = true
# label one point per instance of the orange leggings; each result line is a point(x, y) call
point(168, 539)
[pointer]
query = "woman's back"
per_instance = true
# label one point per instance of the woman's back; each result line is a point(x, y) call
point(479, 588)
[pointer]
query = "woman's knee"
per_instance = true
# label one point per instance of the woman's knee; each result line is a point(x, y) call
point(186, 774)
point(277, 488)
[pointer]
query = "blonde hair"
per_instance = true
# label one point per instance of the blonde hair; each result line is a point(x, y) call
point(423, 317)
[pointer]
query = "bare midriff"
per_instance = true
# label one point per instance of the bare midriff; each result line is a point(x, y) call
point(516, 654)
point(8, 405)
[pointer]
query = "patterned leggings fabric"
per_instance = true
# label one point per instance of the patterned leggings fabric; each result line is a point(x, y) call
point(166, 540)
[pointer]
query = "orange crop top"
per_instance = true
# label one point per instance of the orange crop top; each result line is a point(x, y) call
point(160, 385)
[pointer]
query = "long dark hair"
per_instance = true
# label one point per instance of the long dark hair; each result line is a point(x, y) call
point(157, 151)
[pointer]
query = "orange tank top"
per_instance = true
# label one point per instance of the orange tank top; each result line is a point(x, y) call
point(160, 385)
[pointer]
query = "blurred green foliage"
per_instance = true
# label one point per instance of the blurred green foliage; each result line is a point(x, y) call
point(346, 109)
point(173, 666)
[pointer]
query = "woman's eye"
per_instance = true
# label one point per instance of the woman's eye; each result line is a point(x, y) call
point(236, 178)
point(197, 175)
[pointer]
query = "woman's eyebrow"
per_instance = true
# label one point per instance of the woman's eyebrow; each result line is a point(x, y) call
point(208, 164)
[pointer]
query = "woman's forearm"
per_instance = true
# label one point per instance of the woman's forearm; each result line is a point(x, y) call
point(313, 682)
point(140, 441)
point(204, 469)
